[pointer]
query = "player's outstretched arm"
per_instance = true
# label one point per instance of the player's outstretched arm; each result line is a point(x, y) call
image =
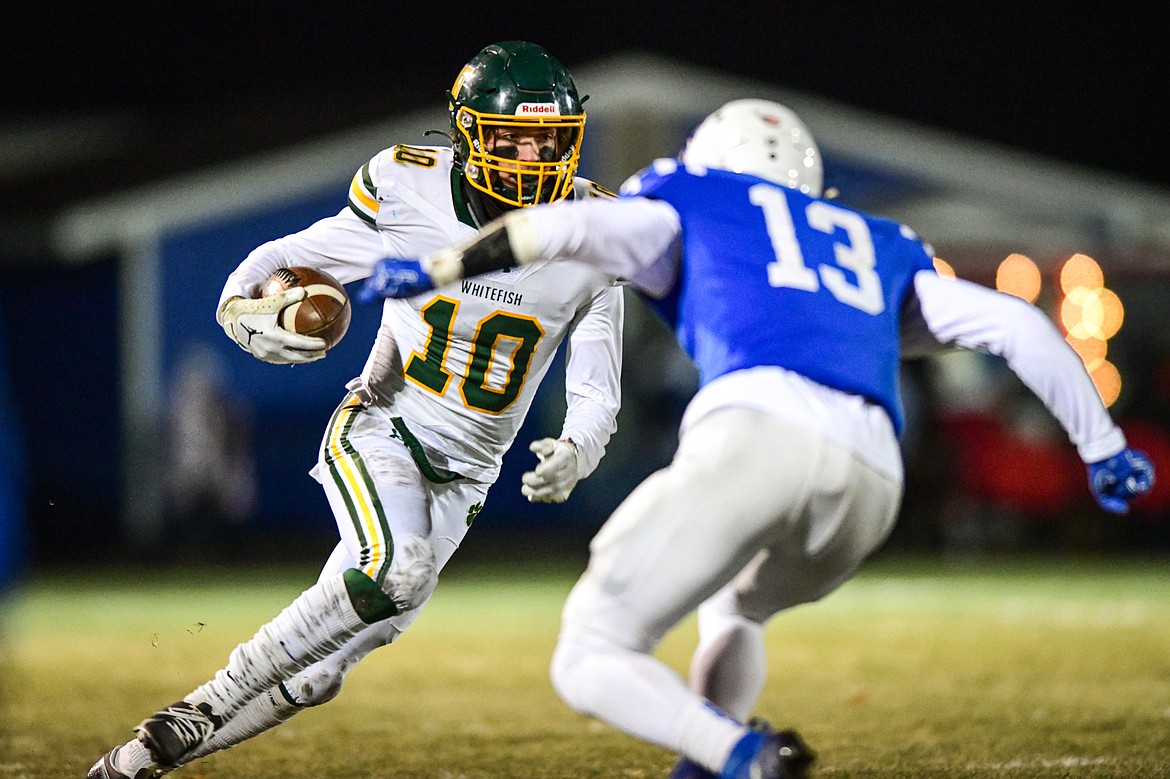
point(967, 315)
point(631, 238)
point(490, 249)
point(252, 324)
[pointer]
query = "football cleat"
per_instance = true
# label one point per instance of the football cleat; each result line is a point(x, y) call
point(105, 769)
point(176, 730)
point(767, 754)
point(761, 754)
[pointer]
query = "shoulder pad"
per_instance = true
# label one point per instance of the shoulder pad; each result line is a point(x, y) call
point(363, 193)
point(400, 164)
point(419, 156)
point(650, 177)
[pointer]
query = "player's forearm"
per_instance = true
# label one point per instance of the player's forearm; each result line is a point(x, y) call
point(590, 426)
point(1049, 367)
point(975, 317)
point(495, 247)
point(341, 245)
point(593, 399)
point(593, 378)
point(626, 238)
point(245, 280)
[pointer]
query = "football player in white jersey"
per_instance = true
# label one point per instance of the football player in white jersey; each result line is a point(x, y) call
point(796, 311)
point(409, 455)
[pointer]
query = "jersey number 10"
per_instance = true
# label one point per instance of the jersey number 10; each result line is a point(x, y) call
point(428, 368)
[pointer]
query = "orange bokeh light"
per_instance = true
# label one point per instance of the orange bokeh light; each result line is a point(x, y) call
point(1092, 351)
point(1092, 313)
point(1112, 312)
point(1080, 270)
point(944, 269)
point(1108, 382)
point(1018, 275)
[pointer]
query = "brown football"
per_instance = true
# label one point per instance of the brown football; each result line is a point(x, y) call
point(323, 313)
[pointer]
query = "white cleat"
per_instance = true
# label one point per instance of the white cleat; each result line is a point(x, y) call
point(105, 769)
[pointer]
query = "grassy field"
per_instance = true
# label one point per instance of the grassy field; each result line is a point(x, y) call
point(1050, 668)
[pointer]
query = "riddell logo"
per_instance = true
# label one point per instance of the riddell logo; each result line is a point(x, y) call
point(540, 109)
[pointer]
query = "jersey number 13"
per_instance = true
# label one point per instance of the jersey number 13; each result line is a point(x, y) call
point(790, 270)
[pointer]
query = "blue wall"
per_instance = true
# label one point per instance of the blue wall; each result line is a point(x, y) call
point(288, 406)
point(12, 508)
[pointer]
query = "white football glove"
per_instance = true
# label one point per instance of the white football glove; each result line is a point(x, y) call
point(251, 323)
point(555, 475)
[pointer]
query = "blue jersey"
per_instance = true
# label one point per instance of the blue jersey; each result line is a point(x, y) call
point(770, 276)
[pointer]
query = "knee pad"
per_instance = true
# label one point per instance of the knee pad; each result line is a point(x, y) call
point(577, 669)
point(408, 583)
point(313, 686)
point(413, 574)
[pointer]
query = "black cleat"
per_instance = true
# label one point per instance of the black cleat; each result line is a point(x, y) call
point(782, 754)
point(176, 730)
point(767, 754)
point(796, 758)
point(762, 754)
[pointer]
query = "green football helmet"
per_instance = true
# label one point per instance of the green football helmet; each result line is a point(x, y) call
point(516, 87)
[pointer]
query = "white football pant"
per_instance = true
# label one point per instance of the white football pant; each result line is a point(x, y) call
point(754, 515)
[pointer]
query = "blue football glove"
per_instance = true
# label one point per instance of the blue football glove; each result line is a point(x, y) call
point(1120, 479)
point(395, 279)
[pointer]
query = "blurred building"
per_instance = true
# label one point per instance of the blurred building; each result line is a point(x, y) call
point(106, 289)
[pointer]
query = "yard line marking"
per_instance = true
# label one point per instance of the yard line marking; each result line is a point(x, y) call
point(1064, 762)
point(1011, 765)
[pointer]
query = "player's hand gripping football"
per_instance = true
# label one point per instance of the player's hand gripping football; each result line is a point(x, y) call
point(1120, 479)
point(252, 323)
point(395, 278)
point(555, 475)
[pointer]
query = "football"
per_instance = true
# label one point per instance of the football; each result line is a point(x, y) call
point(324, 312)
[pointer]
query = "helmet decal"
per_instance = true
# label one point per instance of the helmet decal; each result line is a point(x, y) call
point(467, 70)
point(538, 109)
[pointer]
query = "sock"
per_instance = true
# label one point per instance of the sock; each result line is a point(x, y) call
point(729, 666)
point(132, 757)
point(706, 734)
point(742, 755)
point(317, 623)
point(262, 713)
point(315, 685)
point(642, 696)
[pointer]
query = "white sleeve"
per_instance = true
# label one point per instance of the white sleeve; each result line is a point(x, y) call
point(593, 368)
point(636, 239)
point(342, 245)
point(970, 316)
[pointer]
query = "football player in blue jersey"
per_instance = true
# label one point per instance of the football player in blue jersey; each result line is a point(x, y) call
point(788, 473)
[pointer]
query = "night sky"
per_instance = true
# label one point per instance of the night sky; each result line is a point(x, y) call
point(1089, 89)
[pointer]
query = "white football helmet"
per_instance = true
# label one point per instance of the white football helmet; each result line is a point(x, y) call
point(758, 137)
